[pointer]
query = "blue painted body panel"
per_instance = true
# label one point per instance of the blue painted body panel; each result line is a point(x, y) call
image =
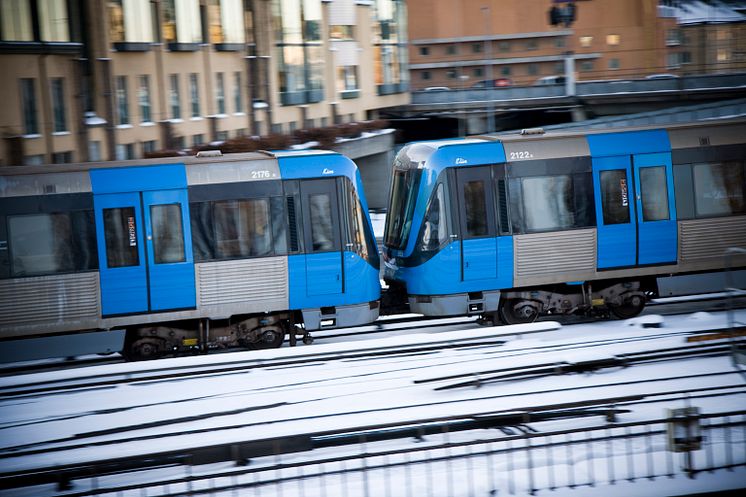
point(138, 178)
point(658, 240)
point(172, 285)
point(124, 290)
point(617, 243)
point(480, 259)
point(323, 273)
point(361, 282)
point(629, 143)
point(316, 166)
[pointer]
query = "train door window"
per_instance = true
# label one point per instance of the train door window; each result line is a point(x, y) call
point(718, 189)
point(475, 206)
point(435, 230)
point(321, 222)
point(548, 202)
point(168, 233)
point(614, 196)
point(121, 236)
point(279, 225)
point(654, 193)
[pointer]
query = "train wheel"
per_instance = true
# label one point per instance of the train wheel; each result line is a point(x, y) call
point(631, 307)
point(517, 311)
point(270, 338)
point(145, 349)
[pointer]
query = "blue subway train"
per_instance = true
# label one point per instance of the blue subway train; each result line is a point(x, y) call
point(511, 227)
point(183, 254)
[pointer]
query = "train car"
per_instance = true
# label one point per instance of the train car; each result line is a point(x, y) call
point(183, 254)
point(511, 227)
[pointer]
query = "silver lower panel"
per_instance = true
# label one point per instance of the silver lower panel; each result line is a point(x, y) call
point(343, 317)
point(455, 305)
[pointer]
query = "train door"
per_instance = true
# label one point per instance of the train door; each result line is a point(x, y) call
point(635, 210)
point(322, 237)
point(656, 210)
point(144, 245)
point(477, 223)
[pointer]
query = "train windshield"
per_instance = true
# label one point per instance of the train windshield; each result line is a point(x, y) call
point(403, 199)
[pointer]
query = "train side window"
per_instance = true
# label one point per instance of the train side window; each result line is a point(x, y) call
point(718, 189)
point(321, 222)
point(203, 237)
point(242, 228)
point(476, 208)
point(654, 193)
point(435, 230)
point(279, 225)
point(548, 202)
point(168, 233)
point(44, 243)
point(121, 236)
point(614, 196)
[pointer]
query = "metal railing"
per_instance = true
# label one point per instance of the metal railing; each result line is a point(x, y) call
point(520, 461)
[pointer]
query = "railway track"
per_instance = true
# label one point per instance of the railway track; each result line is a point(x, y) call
point(284, 395)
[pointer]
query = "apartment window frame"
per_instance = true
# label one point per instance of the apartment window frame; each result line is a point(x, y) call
point(29, 108)
point(194, 101)
point(122, 99)
point(220, 93)
point(143, 98)
point(59, 113)
point(238, 92)
point(613, 40)
point(174, 96)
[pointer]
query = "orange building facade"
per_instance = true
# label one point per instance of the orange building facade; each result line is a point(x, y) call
point(462, 43)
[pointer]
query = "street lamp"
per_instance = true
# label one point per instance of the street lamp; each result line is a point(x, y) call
point(488, 68)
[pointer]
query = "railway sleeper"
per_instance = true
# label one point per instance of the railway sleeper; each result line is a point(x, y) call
point(262, 331)
point(623, 300)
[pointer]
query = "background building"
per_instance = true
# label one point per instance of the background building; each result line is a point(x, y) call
point(116, 79)
point(457, 43)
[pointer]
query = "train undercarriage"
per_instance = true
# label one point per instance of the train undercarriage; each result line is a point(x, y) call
point(252, 332)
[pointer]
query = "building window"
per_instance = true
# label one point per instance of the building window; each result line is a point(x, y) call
point(299, 50)
point(347, 79)
point(723, 55)
point(477, 47)
point(130, 21)
point(225, 21)
point(686, 57)
point(532, 44)
point(58, 105)
point(673, 37)
point(220, 92)
point(125, 151)
point(122, 104)
point(424, 50)
point(390, 47)
point(425, 75)
point(148, 147)
point(478, 72)
point(672, 60)
point(612, 40)
point(221, 135)
point(343, 32)
point(505, 70)
point(560, 42)
point(33, 160)
point(62, 157)
point(586, 65)
point(194, 94)
point(174, 97)
point(28, 103)
point(94, 150)
point(237, 93)
point(504, 46)
point(181, 22)
point(15, 22)
point(452, 74)
point(586, 41)
point(532, 69)
point(613, 63)
point(451, 50)
point(143, 98)
point(198, 140)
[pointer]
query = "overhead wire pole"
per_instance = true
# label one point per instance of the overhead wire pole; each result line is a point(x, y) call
point(488, 68)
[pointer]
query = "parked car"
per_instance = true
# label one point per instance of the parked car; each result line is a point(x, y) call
point(436, 88)
point(661, 76)
point(494, 83)
point(550, 80)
